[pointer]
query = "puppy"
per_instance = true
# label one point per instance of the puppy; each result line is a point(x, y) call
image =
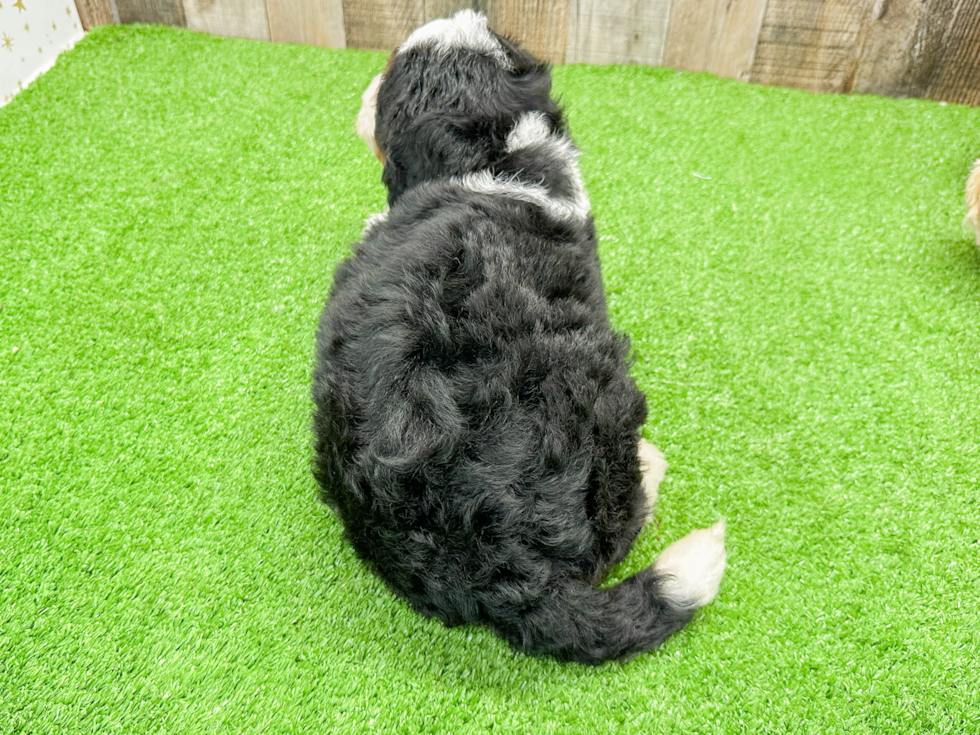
point(973, 199)
point(475, 427)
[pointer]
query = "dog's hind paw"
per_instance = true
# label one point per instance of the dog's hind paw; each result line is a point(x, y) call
point(654, 467)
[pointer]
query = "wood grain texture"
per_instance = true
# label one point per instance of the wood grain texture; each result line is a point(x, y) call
point(435, 9)
point(313, 22)
point(903, 47)
point(166, 12)
point(917, 48)
point(237, 18)
point(719, 36)
point(94, 13)
point(957, 79)
point(811, 44)
point(900, 48)
point(617, 31)
point(540, 26)
point(381, 24)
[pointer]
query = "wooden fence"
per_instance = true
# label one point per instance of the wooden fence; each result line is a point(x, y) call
point(901, 48)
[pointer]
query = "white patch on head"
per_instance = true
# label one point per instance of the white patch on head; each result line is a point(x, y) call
point(654, 467)
point(467, 29)
point(973, 200)
point(486, 183)
point(367, 114)
point(693, 566)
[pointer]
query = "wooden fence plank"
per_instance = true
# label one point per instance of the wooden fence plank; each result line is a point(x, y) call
point(94, 13)
point(435, 9)
point(719, 36)
point(315, 22)
point(904, 46)
point(617, 31)
point(237, 18)
point(811, 44)
point(167, 12)
point(381, 24)
point(540, 26)
point(917, 48)
point(958, 78)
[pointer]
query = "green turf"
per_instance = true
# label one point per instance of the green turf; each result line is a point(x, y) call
point(804, 306)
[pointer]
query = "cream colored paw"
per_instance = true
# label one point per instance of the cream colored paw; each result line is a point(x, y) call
point(693, 566)
point(654, 467)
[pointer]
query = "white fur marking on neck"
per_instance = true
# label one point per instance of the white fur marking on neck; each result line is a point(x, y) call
point(467, 29)
point(379, 218)
point(486, 183)
point(531, 129)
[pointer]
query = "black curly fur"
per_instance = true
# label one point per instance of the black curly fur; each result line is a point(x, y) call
point(476, 427)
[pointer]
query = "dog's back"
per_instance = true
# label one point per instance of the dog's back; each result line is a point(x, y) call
point(476, 428)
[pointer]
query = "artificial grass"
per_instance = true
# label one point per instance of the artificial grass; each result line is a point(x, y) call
point(804, 308)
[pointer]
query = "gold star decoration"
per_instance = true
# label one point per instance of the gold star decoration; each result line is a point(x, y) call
point(67, 11)
point(8, 42)
point(27, 27)
point(54, 27)
point(19, 5)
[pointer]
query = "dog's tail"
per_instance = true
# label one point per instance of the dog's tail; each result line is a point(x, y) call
point(580, 623)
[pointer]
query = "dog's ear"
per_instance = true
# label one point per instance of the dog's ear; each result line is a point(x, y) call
point(395, 178)
point(521, 60)
point(438, 145)
point(490, 134)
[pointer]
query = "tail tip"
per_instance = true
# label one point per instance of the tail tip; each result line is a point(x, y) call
point(717, 530)
point(692, 567)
